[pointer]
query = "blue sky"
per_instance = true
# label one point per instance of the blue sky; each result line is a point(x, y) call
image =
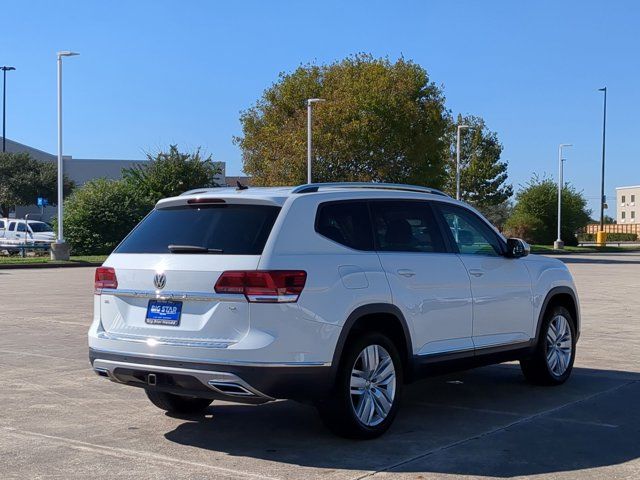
point(153, 73)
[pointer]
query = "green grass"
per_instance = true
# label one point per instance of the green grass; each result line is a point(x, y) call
point(17, 260)
point(590, 249)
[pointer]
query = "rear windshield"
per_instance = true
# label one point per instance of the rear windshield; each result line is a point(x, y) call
point(224, 229)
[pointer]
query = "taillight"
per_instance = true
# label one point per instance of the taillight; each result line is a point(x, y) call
point(105, 278)
point(271, 286)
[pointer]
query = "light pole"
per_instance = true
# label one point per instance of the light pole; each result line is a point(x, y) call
point(559, 244)
point(4, 105)
point(310, 103)
point(601, 236)
point(59, 249)
point(460, 127)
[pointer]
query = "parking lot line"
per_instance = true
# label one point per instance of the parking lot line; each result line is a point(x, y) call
point(492, 431)
point(125, 452)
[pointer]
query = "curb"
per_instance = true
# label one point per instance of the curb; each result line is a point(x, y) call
point(20, 266)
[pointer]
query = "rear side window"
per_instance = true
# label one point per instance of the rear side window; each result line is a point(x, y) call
point(12, 226)
point(346, 223)
point(231, 229)
point(402, 226)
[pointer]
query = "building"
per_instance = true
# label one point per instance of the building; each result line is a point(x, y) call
point(628, 205)
point(80, 170)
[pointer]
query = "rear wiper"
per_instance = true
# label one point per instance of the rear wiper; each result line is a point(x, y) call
point(192, 249)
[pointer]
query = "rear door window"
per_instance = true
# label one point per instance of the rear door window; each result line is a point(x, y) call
point(346, 223)
point(231, 229)
point(406, 226)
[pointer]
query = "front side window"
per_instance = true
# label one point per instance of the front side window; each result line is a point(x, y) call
point(346, 223)
point(39, 227)
point(405, 226)
point(230, 229)
point(470, 234)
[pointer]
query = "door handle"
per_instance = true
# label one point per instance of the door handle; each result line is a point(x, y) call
point(406, 273)
point(475, 272)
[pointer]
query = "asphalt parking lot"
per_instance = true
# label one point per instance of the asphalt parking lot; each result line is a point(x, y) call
point(59, 420)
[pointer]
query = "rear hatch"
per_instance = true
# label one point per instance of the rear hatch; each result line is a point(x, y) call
point(164, 273)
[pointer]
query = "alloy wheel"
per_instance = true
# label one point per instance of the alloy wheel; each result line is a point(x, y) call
point(559, 345)
point(373, 385)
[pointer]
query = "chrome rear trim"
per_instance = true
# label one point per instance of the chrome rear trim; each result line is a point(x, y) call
point(214, 362)
point(172, 295)
point(208, 378)
point(173, 342)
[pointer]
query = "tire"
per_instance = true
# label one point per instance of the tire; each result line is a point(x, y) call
point(177, 403)
point(552, 361)
point(370, 412)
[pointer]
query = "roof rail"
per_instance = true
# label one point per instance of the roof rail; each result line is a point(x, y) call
point(314, 187)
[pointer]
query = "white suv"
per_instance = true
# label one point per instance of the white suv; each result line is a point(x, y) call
point(335, 294)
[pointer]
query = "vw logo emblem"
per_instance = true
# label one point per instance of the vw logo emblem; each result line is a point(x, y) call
point(159, 280)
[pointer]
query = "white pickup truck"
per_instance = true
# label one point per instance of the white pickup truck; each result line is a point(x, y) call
point(14, 231)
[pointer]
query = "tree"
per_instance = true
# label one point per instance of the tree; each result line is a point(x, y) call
point(171, 173)
point(23, 179)
point(382, 121)
point(483, 176)
point(98, 215)
point(536, 212)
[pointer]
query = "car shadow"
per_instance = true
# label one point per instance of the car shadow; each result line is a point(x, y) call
point(485, 422)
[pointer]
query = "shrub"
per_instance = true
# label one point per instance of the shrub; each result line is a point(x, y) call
point(100, 214)
point(611, 237)
point(523, 225)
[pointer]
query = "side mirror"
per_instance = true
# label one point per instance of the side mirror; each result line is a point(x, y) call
point(517, 248)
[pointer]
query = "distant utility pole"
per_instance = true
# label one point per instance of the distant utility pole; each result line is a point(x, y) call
point(559, 244)
point(4, 106)
point(460, 127)
point(310, 103)
point(604, 137)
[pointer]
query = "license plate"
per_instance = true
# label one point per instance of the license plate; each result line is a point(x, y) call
point(164, 312)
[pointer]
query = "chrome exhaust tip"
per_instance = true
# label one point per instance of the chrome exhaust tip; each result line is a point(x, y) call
point(101, 372)
point(231, 388)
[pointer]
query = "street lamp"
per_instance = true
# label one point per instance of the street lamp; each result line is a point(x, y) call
point(601, 237)
point(460, 127)
point(4, 103)
point(310, 103)
point(559, 244)
point(60, 250)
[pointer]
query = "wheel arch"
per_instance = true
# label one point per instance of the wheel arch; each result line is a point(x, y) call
point(383, 317)
point(560, 296)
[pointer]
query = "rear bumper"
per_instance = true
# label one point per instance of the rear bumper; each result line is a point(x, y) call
point(232, 382)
